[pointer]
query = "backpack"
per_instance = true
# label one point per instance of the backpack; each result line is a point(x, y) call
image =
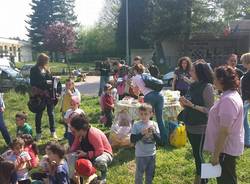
point(178, 137)
point(36, 104)
point(152, 82)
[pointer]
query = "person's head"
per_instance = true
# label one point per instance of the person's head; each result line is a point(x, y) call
point(80, 125)
point(107, 88)
point(55, 152)
point(137, 60)
point(226, 78)
point(75, 102)
point(7, 168)
point(200, 71)
point(21, 118)
point(28, 141)
point(112, 83)
point(17, 145)
point(232, 60)
point(42, 60)
point(245, 60)
point(154, 71)
point(185, 63)
point(122, 62)
point(84, 168)
point(70, 84)
point(145, 112)
point(138, 69)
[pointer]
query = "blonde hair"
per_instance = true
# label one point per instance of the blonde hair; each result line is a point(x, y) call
point(42, 60)
point(245, 58)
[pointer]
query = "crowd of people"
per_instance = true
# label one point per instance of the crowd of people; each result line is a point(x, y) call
point(217, 125)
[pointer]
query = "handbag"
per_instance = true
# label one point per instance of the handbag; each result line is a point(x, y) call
point(178, 137)
point(152, 82)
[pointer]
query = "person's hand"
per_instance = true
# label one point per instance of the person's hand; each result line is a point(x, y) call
point(1, 109)
point(215, 160)
point(185, 102)
point(144, 131)
point(81, 154)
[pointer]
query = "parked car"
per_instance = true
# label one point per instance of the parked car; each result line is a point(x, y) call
point(11, 79)
point(25, 70)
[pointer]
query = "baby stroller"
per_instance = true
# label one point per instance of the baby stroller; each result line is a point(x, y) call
point(121, 130)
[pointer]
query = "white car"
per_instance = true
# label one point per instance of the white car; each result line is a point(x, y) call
point(5, 62)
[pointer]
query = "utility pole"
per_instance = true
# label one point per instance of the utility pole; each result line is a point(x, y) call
point(127, 36)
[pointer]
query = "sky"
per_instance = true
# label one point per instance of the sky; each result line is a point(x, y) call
point(13, 14)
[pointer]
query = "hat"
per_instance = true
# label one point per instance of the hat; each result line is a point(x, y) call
point(84, 167)
point(75, 99)
point(107, 87)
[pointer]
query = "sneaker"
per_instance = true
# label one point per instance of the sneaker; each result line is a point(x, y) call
point(38, 137)
point(53, 135)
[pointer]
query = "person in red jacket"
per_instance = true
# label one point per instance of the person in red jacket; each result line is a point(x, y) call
point(93, 144)
point(108, 104)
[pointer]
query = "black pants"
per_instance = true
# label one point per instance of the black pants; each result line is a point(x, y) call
point(197, 142)
point(228, 164)
point(38, 119)
point(109, 116)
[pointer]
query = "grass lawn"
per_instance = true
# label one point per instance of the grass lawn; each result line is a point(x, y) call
point(174, 166)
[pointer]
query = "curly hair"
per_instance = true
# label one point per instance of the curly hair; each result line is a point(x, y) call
point(189, 63)
point(227, 77)
point(139, 68)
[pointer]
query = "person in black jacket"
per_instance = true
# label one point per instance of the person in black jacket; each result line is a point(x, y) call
point(41, 82)
point(232, 61)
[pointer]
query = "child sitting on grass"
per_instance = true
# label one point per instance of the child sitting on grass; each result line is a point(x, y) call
point(22, 126)
point(7, 168)
point(145, 134)
point(21, 160)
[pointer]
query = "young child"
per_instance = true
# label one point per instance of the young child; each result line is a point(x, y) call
point(7, 168)
point(21, 160)
point(69, 91)
point(108, 104)
point(58, 167)
point(145, 134)
point(70, 113)
point(22, 126)
point(31, 147)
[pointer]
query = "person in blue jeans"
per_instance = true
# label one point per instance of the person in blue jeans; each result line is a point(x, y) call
point(3, 128)
point(154, 98)
point(245, 90)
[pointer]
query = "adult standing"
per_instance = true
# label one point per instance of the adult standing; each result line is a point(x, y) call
point(196, 110)
point(232, 61)
point(3, 128)
point(245, 90)
point(182, 71)
point(104, 75)
point(151, 97)
point(93, 144)
point(41, 82)
point(225, 133)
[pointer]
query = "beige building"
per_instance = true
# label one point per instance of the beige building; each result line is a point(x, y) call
point(19, 50)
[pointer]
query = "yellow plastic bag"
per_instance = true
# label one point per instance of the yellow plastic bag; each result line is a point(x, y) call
point(179, 136)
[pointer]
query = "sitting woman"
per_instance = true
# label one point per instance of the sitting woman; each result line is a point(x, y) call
point(93, 144)
point(121, 130)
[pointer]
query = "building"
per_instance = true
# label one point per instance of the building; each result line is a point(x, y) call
point(18, 50)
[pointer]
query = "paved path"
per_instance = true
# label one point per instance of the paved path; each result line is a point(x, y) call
point(90, 87)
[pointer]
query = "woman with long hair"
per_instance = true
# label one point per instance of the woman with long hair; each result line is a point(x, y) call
point(196, 110)
point(182, 72)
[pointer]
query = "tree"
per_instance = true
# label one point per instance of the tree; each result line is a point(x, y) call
point(137, 17)
point(60, 38)
point(45, 13)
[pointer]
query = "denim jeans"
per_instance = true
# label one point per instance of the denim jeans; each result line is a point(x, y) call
point(145, 165)
point(156, 100)
point(246, 124)
point(4, 130)
point(38, 118)
point(103, 81)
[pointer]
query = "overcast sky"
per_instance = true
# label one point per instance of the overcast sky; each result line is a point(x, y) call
point(13, 15)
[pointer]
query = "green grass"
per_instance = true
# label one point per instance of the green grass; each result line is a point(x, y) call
point(58, 67)
point(173, 166)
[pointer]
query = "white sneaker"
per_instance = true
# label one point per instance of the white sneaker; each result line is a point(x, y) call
point(53, 135)
point(38, 137)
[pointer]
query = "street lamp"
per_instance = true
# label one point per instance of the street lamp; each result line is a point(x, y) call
point(127, 36)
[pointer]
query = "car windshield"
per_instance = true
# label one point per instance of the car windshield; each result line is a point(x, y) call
point(11, 72)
